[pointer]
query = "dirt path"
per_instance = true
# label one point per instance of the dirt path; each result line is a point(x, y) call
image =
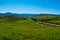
point(45, 23)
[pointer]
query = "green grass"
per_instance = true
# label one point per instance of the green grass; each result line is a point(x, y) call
point(27, 30)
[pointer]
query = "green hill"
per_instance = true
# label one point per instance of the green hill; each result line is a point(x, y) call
point(24, 29)
point(47, 18)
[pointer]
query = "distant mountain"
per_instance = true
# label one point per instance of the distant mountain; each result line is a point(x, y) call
point(49, 14)
point(25, 14)
point(17, 14)
point(58, 14)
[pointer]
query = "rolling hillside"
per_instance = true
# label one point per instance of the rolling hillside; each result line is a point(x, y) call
point(21, 28)
point(54, 19)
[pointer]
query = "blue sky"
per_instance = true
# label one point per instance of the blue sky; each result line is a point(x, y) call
point(30, 6)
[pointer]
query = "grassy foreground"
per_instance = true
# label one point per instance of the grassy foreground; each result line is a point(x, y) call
point(27, 30)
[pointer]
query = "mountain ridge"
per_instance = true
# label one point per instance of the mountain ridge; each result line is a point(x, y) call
point(17, 14)
point(25, 14)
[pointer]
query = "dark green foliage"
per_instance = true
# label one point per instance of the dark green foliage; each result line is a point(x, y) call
point(6, 38)
point(33, 19)
point(12, 18)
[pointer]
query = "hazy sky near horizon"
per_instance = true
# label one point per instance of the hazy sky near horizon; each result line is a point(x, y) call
point(30, 6)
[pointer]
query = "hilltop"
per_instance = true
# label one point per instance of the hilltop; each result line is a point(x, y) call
point(48, 18)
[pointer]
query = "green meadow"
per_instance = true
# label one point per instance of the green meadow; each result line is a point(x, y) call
point(27, 30)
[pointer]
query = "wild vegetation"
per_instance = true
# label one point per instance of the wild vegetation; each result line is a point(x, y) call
point(47, 18)
point(12, 18)
point(21, 28)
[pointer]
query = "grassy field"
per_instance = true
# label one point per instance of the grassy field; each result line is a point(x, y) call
point(27, 30)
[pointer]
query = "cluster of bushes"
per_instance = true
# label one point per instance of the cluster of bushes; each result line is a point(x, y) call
point(12, 18)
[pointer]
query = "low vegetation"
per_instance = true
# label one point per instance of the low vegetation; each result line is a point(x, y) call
point(12, 18)
point(47, 18)
point(20, 28)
